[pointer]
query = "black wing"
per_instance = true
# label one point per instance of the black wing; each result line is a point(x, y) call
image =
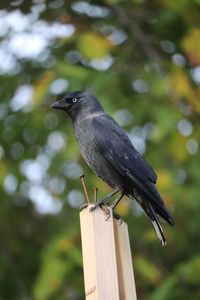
point(116, 147)
point(118, 150)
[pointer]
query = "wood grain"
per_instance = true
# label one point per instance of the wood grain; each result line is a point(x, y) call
point(99, 255)
point(127, 289)
point(107, 262)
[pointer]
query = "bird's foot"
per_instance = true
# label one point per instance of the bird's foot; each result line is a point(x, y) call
point(104, 200)
point(107, 211)
point(117, 217)
point(103, 207)
point(99, 204)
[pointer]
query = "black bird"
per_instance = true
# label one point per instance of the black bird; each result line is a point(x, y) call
point(110, 154)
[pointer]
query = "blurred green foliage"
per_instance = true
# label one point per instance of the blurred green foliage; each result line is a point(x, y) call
point(141, 59)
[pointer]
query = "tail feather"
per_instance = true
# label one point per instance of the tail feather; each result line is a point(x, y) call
point(158, 205)
point(162, 211)
point(159, 232)
point(151, 212)
point(156, 225)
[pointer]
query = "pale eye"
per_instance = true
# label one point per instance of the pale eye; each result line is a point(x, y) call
point(74, 100)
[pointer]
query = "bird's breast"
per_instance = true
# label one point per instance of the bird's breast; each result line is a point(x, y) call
point(95, 158)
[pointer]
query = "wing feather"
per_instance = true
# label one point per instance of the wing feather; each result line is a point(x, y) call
point(115, 145)
point(118, 150)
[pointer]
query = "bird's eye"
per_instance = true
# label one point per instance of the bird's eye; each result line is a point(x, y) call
point(74, 100)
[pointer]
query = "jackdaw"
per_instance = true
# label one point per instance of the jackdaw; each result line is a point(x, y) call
point(110, 154)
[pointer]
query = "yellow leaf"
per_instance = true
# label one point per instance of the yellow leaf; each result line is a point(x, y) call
point(182, 88)
point(191, 46)
point(93, 45)
point(41, 87)
point(65, 244)
point(177, 147)
point(164, 179)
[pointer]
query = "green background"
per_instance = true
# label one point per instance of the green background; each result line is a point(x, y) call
point(142, 60)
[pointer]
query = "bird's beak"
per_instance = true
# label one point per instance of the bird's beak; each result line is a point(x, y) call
point(61, 104)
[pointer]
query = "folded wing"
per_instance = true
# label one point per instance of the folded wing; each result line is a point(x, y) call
point(113, 143)
point(116, 147)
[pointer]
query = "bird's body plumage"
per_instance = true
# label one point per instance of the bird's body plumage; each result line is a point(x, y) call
point(110, 154)
point(90, 151)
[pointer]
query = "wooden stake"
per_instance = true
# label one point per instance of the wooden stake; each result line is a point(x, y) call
point(99, 256)
point(108, 271)
point(127, 290)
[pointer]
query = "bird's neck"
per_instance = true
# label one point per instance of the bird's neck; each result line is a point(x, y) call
point(86, 113)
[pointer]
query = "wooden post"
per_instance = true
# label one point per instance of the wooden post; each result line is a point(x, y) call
point(127, 290)
point(108, 273)
point(99, 257)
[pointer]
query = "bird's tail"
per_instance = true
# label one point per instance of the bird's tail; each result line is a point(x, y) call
point(157, 227)
point(148, 208)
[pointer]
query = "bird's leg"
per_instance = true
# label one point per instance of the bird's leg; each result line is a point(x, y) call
point(114, 204)
point(104, 200)
point(115, 215)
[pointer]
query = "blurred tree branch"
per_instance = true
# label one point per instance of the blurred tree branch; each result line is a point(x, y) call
point(130, 22)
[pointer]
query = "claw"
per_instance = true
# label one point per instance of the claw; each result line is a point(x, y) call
point(103, 207)
point(94, 207)
point(108, 217)
point(116, 216)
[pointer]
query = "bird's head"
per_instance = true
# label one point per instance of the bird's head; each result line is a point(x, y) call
point(78, 104)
